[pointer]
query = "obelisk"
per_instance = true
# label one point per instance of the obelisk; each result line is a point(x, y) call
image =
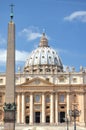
point(9, 106)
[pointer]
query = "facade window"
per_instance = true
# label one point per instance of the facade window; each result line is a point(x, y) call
point(74, 80)
point(47, 107)
point(47, 99)
point(27, 99)
point(47, 79)
point(37, 98)
point(61, 80)
point(41, 70)
point(75, 98)
point(53, 52)
point(27, 79)
point(62, 107)
point(47, 70)
point(42, 56)
point(55, 58)
point(61, 98)
point(27, 107)
point(1, 80)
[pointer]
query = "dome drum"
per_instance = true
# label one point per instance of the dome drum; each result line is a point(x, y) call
point(43, 69)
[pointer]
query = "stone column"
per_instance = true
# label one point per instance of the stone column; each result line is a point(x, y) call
point(18, 108)
point(43, 108)
point(56, 108)
point(68, 105)
point(52, 108)
point(23, 109)
point(82, 118)
point(31, 108)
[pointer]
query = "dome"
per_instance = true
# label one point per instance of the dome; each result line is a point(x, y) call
point(43, 56)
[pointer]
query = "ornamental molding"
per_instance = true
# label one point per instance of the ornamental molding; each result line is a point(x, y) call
point(61, 88)
point(36, 82)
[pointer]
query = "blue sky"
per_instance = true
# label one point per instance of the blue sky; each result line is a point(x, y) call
point(64, 22)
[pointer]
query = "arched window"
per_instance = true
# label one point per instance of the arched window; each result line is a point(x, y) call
point(47, 98)
point(61, 98)
point(27, 99)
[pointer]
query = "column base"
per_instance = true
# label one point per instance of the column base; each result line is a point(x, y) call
point(23, 123)
point(43, 123)
point(56, 123)
point(31, 123)
point(82, 123)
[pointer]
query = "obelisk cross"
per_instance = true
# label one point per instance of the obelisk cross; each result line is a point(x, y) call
point(11, 14)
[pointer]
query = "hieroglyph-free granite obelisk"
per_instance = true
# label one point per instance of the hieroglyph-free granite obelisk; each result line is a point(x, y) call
point(9, 106)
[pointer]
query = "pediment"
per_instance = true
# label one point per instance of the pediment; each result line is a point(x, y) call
point(37, 82)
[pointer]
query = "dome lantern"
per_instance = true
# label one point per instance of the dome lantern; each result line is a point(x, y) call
point(43, 41)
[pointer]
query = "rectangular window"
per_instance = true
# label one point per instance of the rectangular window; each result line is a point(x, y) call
point(61, 80)
point(27, 107)
point(47, 99)
point(1, 80)
point(61, 98)
point(37, 98)
point(27, 99)
point(27, 79)
point(74, 80)
point(47, 79)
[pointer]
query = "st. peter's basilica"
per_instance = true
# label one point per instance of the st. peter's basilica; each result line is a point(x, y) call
point(45, 92)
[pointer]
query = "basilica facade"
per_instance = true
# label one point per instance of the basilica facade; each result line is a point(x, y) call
point(45, 92)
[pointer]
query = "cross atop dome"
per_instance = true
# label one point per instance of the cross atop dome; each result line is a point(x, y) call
point(43, 41)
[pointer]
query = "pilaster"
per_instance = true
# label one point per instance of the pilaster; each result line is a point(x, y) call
point(56, 108)
point(52, 108)
point(43, 108)
point(31, 108)
point(68, 105)
point(82, 118)
point(23, 108)
point(18, 108)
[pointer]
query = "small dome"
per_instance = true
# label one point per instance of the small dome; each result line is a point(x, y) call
point(44, 55)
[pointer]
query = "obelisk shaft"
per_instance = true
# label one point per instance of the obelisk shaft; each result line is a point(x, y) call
point(9, 107)
point(10, 67)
